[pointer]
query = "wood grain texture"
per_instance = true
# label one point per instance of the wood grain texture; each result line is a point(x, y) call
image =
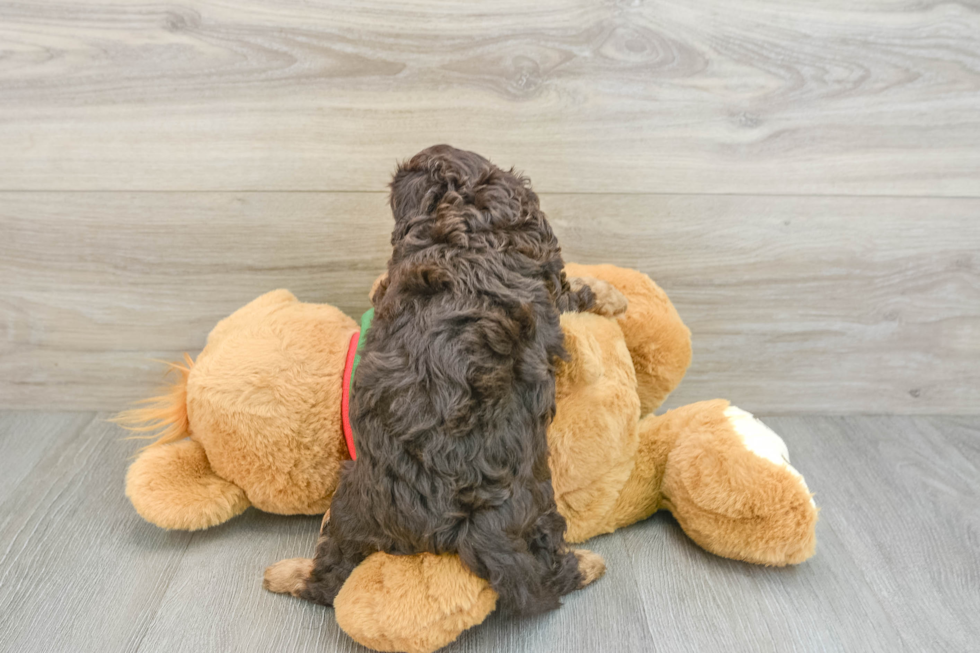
point(684, 96)
point(897, 565)
point(907, 494)
point(797, 304)
point(806, 305)
point(897, 562)
point(698, 602)
point(26, 437)
point(215, 601)
point(606, 616)
point(79, 570)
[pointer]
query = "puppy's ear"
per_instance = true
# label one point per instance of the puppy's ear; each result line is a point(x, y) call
point(411, 193)
point(422, 181)
point(417, 183)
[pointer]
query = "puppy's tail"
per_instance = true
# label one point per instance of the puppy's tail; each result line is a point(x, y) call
point(163, 418)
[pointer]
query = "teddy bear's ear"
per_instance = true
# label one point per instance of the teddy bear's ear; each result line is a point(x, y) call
point(173, 486)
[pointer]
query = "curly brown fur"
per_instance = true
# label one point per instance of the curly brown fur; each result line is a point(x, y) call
point(456, 388)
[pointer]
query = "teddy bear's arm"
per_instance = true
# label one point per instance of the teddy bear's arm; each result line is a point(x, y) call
point(657, 339)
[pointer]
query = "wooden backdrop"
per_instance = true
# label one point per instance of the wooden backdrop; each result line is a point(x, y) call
point(803, 178)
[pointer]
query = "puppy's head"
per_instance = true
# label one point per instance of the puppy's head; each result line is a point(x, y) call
point(444, 195)
point(421, 182)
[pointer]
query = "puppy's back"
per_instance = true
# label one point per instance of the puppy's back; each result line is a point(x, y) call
point(455, 388)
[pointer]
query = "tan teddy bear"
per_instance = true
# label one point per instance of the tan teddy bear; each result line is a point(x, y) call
point(256, 420)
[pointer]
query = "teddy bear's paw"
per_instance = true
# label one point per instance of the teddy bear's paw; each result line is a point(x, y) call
point(762, 441)
point(590, 565)
point(288, 576)
point(609, 301)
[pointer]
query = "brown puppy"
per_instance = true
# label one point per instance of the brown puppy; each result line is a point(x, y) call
point(456, 388)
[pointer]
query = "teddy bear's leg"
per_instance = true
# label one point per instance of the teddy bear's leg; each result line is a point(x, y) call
point(728, 482)
point(416, 604)
point(642, 495)
point(656, 337)
point(173, 486)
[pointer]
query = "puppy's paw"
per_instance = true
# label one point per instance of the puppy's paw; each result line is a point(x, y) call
point(609, 302)
point(288, 576)
point(590, 565)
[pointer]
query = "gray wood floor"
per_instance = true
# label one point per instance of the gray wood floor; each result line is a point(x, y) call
point(897, 564)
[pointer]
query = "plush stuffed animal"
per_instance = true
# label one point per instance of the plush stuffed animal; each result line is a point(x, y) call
point(256, 420)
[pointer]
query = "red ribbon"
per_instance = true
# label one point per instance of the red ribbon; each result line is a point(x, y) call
point(345, 396)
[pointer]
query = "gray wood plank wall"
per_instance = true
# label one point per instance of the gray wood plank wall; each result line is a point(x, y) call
point(803, 179)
